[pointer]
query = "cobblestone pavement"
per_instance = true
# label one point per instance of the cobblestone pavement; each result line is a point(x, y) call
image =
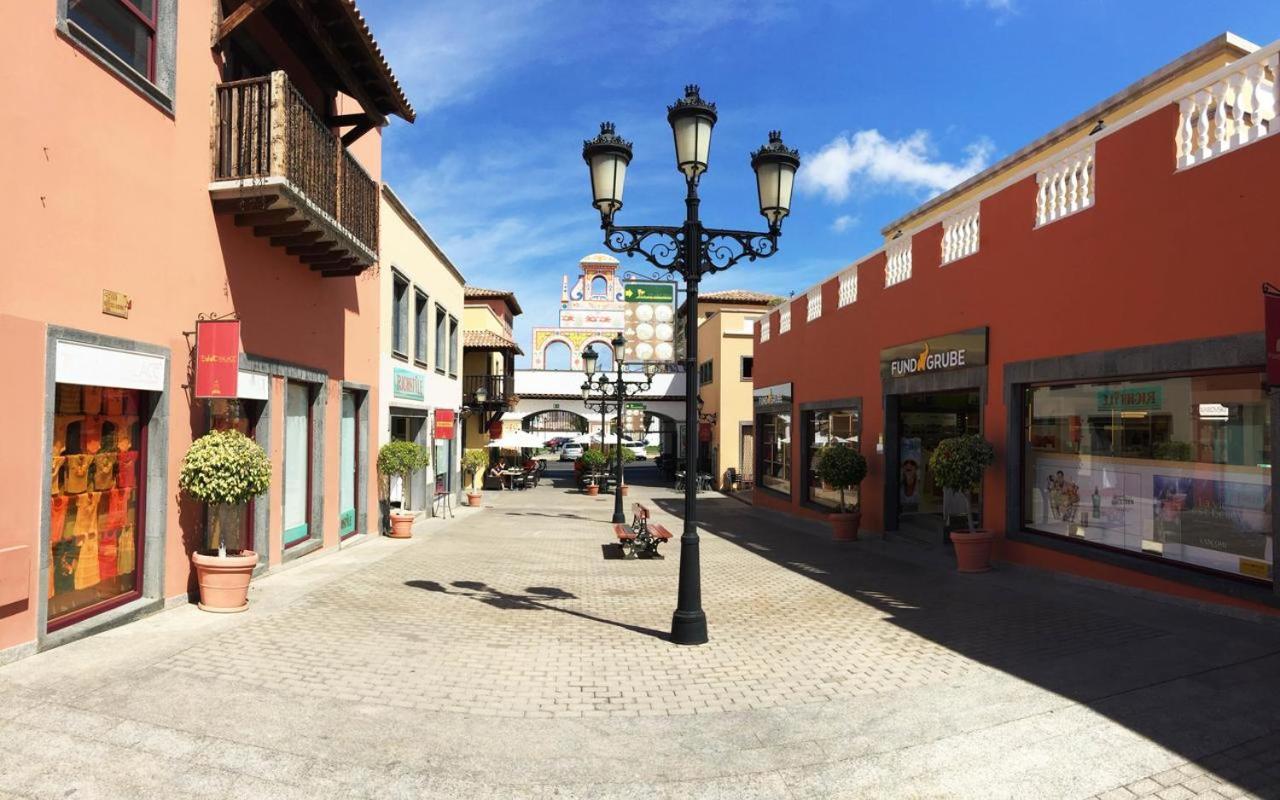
point(508, 654)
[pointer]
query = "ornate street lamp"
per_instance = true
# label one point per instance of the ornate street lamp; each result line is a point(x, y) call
point(617, 390)
point(693, 251)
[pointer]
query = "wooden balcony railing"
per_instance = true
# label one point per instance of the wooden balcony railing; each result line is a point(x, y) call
point(499, 387)
point(271, 146)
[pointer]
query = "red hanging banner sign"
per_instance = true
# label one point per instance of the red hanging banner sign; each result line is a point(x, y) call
point(495, 429)
point(1271, 306)
point(704, 432)
point(444, 423)
point(217, 358)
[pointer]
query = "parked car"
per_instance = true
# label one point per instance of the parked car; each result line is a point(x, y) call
point(553, 444)
point(638, 449)
point(570, 451)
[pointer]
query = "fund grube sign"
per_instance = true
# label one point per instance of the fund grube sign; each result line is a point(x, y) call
point(649, 316)
point(217, 358)
point(938, 354)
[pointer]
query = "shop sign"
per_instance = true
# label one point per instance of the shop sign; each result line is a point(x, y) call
point(495, 429)
point(444, 423)
point(406, 384)
point(635, 406)
point(217, 358)
point(1271, 304)
point(1131, 398)
point(777, 395)
point(117, 304)
point(939, 354)
point(649, 314)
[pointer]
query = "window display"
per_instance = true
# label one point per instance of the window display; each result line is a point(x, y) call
point(775, 451)
point(94, 503)
point(1177, 468)
point(837, 426)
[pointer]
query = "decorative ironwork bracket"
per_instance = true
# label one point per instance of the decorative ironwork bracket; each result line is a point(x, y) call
point(722, 249)
point(664, 247)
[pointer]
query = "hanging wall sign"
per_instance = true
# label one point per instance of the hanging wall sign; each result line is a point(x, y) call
point(406, 384)
point(444, 423)
point(939, 354)
point(217, 358)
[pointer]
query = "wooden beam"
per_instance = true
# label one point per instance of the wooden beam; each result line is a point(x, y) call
point(265, 217)
point(331, 264)
point(336, 60)
point(283, 229)
point(236, 18)
point(355, 133)
point(336, 255)
point(306, 237)
point(310, 249)
point(342, 273)
point(343, 120)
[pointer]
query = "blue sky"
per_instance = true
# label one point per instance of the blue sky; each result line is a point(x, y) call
point(889, 102)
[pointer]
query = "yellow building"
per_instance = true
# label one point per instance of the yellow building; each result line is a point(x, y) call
point(488, 362)
point(726, 323)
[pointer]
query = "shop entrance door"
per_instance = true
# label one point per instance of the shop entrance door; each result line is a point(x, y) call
point(924, 420)
point(347, 466)
point(412, 496)
point(297, 463)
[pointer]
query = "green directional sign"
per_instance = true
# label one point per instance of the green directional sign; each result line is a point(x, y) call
point(649, 292)
point(635, 406)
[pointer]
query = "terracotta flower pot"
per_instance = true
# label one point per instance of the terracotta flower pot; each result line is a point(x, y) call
point(401, 526)
point(624, 491)
point(593, 490)
point(844, 527)
point(224, 581)
point(973, 550)
point(473, 499)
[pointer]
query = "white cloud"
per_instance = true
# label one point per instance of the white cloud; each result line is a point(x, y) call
point(905, 164)
point(844, 222)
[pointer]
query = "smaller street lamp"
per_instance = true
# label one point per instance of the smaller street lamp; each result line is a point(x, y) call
point(616, 390)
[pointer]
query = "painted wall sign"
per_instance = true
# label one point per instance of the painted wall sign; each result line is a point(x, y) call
point(586, 319)
point(217, 358)
point(941, 353)
point(407, 384)
point(1131, 398)
point(444, 423)
point(117, 304)
point(776, 395)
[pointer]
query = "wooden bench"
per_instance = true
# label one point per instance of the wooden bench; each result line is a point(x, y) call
point(642, 536)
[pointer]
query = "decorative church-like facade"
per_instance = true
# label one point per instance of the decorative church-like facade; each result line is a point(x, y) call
point(591, 312)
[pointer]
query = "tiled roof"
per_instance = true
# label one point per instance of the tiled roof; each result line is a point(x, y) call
point(397, 100)
point(488, 340)
point(480, 293)
point(738, 296)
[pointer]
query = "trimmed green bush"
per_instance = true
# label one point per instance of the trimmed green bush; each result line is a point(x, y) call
point(401, 459)
point(958, 464)
point(842, 467)
point(224, 468)
point(594, 460)
point(474, 461)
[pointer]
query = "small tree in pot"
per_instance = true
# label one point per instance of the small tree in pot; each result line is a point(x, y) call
point(224, 468)
point(401, 459)
point(474, 463)
point(842, 467)
point(957, 466)
point(593, 461)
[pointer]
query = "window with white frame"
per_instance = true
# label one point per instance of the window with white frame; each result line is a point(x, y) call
point(960, 235)
point(815, 303)
point(848, 289)
point(898, 266)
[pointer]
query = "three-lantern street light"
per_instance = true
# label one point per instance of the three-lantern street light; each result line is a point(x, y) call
point(691, 250)
point(618, 390)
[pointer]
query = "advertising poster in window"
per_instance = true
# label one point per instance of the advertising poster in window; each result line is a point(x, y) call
point(910, 475)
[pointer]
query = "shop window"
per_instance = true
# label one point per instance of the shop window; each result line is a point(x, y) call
point(236, 521)
point(399, 315)
point(95, 508)
point(705, 372)
point(442, 339)
point(348, 476)
point(453, 347)
point(1176, 468)
point(748, 367)
point(421, 325)
point(842, 426)
point(297, 464)
point(775, 451)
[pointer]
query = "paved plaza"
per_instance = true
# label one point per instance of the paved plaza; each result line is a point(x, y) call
point(509, 653)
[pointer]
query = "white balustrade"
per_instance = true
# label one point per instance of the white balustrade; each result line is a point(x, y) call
point(784, 318)
point(898, 266)
point(848, 289)
point(1066, 186)
point(960, 235)
point(764, 328)
point(1229, 113)
point(815, 303)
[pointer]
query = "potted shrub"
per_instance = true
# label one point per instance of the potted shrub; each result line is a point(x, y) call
point(957, 465)
point(842, 467)
point(402, 459)
point(593, 461)
point(224, 468)
point(474, 462)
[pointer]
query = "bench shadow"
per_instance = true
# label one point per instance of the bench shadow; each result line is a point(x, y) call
point(534, 598)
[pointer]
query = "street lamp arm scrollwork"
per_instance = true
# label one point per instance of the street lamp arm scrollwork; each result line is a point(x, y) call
point(662, 247)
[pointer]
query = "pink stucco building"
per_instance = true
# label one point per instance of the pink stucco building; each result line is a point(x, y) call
point(173, 160)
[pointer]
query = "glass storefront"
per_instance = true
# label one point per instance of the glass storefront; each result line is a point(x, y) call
point(297, 469)
point(94, 516)
point(834, 426)
point(775, 451)
point(347, 466)
point(1177, 468)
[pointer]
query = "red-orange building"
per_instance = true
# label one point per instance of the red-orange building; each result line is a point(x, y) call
point(164, 162)
point(1092, 306)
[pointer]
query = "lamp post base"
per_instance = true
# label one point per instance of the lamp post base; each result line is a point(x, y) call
point(689, 627)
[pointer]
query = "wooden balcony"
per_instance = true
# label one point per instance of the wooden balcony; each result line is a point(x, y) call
point(500, 390)
point(284, 173)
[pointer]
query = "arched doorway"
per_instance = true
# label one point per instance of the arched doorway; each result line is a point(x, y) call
point(604, 353)
point(555, 422)
point(557, 355)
